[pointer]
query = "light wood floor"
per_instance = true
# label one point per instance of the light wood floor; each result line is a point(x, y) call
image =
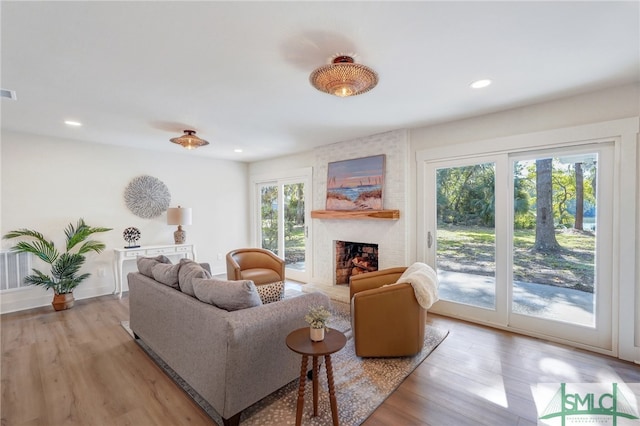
point(79, 367)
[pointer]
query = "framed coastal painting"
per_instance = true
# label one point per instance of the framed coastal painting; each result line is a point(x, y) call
point(356, 184)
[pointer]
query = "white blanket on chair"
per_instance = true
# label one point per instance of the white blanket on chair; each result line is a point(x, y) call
point(424, 281)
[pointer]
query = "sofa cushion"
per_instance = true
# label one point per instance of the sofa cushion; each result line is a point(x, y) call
point(189, 270)
point(271, 292)
point(227, 295)
point(166, 274)
point(146, 264)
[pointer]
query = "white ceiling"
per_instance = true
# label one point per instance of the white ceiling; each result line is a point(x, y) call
point(138, 73)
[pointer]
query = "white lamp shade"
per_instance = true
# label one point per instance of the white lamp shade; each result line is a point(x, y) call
point(179, 216)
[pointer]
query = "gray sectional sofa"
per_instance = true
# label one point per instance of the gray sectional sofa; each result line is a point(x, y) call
point(232, 359)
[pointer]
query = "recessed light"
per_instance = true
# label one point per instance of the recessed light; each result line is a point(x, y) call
point(237, 150)
point(72, 123)
point(479, 84)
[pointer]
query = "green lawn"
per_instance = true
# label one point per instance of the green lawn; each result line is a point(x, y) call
point(471, 249)
point(294, 245)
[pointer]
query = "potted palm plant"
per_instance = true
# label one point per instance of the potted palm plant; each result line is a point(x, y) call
point(64, 266)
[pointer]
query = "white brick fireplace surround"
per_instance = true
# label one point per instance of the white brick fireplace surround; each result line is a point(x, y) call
point(390, 235)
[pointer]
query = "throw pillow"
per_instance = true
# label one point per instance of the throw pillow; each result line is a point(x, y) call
point(167, 274)
point(272, 292)
point(227, 295)
point(189, 270)
point(145, 264)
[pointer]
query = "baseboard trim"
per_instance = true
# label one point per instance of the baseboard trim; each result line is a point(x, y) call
point(33, 297)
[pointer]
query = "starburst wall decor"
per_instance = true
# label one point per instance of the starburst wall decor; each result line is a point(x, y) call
point(147, 196)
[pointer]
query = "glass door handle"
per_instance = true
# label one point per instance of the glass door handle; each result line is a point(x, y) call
point(429, 239)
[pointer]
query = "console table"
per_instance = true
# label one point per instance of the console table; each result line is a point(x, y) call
point(121, 255)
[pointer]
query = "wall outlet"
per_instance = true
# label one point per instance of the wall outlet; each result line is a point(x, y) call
point(101, 272)
point(219, 256)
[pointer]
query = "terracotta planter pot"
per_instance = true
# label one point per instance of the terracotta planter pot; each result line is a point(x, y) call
point(62, 301)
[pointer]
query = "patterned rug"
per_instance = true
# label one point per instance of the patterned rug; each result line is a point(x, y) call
point(361, 384)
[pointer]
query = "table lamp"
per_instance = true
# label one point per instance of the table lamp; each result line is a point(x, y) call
point(179, 216)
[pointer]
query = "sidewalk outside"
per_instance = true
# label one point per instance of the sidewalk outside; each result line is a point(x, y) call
point(540, 300)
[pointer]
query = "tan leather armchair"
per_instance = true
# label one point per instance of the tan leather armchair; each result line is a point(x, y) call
point(258, 265)
point(386, 321)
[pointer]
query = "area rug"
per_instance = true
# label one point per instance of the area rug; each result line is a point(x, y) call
point(361, 384)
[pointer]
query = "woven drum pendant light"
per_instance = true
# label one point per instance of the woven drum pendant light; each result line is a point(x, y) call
point(342, 77)
point(189, 140)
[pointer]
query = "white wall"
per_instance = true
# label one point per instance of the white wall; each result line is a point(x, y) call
point(390, 235)
point(603, 105)
point(289, 162)
point(47, 183)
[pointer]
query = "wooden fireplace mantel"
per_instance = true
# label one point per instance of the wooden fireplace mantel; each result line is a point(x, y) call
point(356, 214)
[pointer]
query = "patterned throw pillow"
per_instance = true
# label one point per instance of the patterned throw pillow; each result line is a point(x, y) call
point(273, 292)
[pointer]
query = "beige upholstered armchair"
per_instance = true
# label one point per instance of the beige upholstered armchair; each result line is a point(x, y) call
point(386, 321)
point(258, 265)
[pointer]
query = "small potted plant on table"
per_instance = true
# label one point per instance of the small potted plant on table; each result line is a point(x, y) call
point(317, 318)
point(65, 266)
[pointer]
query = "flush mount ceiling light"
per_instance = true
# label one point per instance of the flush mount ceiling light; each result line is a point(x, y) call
point(189, 140)
point(342, 77)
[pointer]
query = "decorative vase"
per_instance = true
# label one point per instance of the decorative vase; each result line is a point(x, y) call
point(317, 334)
point(62, 301)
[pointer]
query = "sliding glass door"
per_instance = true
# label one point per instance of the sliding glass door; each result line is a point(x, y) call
point(462, 235)
point(518, 240)
point(282, 223)
point(561, 243)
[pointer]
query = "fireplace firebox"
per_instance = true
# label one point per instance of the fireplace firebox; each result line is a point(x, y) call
point(353, 258)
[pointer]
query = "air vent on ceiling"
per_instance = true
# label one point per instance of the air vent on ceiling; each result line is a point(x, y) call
point(10, 94)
